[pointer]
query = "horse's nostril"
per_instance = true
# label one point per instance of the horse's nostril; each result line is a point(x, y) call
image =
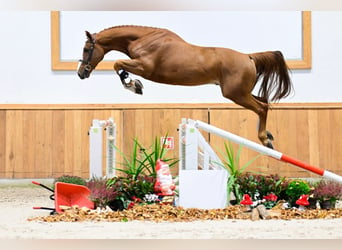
point(80, 75)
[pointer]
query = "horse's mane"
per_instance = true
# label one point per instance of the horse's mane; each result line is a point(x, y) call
point(129, 26)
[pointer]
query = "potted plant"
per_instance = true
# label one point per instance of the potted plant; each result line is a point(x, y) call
point(258, 185)
point(72, 179)
point(295, 189)
point(100, 193)
point(327, 193)
point(231, 161)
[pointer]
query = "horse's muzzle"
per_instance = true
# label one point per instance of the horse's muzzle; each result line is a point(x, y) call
point(82, 76)
point(83, 70)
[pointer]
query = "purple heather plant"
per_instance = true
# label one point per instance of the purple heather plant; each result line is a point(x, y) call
point(100, 193)
point(328, 190)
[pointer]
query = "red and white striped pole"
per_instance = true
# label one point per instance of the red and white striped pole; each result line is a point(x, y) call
point(264, 150)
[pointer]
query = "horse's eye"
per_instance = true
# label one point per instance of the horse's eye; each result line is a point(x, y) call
point(85, 50)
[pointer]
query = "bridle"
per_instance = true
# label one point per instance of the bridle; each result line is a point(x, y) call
point(88, 67)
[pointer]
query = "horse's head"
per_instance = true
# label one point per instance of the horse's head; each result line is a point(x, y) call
point(92, 55)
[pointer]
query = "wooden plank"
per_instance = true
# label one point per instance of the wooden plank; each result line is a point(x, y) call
point(135, 106)
point(3, 139)
point(29, 140)
point(77, 145)
point(69, 142)
point(58, 139)
point(336, 142)
point(43, 149)
point(14, 144)
point(313, 137)
point(324, 141)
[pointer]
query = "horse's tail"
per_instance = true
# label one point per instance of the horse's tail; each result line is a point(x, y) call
point(273, 70)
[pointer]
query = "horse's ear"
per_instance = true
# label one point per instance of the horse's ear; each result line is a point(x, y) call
point(89, 35)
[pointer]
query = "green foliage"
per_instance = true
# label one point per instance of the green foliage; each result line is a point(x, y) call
point(133, 164)
point(140, 171)
point(142, 160)
point(153, 153)
point(231, 161)
point(259, 186)
point(128, 189)
point(71, 179)
point(295, 189)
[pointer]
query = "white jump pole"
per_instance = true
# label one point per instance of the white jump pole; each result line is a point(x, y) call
point(264, 150)
point(95, 148)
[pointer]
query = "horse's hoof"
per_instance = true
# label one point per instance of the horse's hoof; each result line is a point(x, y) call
point(269, 145)
point(138, 87)
point(269, 136)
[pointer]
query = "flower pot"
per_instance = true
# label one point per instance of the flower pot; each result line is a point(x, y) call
point(116, 205)
point(313, 203)
point(327, 204)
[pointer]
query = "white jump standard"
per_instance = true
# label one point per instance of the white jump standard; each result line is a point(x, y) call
point(264, 150)
point(95, 147)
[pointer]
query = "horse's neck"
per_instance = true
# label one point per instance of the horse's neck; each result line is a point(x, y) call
point(118, 38)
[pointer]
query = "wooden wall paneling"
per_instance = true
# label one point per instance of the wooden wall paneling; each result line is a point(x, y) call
point(128, 134)
point(14, 144)
point(58, 142)
point(29, 141)
point(3, 139)
point(285, 139)
point(136, 125)
point(302, 142)
point(44, 144)
point(336, 141)
point(78, 134)
point(87, 119)
point(69, 144)
point(9, 144)
point(313, 143)
point(324, 139)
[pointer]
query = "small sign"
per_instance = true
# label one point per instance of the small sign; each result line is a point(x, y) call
point(167, 142)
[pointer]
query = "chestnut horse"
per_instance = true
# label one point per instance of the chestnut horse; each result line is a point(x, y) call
point(162, 56)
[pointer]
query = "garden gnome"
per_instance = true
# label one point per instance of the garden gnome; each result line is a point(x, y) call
point(164, 184)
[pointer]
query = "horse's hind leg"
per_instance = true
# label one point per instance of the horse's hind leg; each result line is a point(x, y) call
point(260, 108)
point(268, 133)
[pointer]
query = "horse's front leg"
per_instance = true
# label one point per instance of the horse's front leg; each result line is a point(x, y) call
point(122, 67)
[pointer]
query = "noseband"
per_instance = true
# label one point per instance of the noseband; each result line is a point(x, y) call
point(90, 51)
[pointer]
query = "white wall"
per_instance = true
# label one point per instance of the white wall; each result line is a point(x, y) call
point(26, 75)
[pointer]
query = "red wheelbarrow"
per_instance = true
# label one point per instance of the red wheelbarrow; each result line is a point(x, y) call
point(67, 194)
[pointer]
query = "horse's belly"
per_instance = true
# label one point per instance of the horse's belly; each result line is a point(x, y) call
point(185, 72)
point(182, 76)
point(184, 65)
